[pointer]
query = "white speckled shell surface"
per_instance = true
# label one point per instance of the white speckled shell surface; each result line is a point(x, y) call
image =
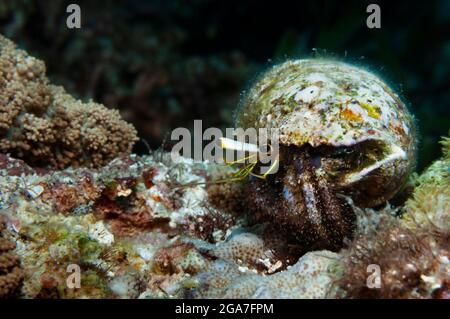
point(320, 101)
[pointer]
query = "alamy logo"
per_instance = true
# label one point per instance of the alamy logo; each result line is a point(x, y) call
point(374, 279)
point(374, 19)
point(73, 21)
point(74, 279)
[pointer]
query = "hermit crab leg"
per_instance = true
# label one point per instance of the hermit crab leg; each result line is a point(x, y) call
point(396, 154)
point(310, 199)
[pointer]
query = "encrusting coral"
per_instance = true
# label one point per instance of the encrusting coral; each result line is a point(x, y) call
point(45, 126)
point(310, 277)
point(245, 247)
point(11, 274)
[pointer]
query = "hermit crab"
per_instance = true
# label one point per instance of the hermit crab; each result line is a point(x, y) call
point(345, 139)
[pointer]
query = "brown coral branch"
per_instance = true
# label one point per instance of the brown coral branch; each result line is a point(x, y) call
point(45, 126)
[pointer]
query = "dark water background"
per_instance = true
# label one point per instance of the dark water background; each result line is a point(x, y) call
point(166, 63)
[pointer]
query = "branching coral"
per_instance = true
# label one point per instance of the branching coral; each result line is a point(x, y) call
point(11, 275)
point(44, 125)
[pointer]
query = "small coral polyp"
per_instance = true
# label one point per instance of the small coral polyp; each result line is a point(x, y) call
point(45, 126)
point(345, 137)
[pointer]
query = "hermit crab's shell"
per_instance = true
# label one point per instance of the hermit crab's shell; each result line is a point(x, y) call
point(319, 102)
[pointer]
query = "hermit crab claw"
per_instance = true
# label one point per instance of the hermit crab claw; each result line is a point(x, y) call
point(396, 154)
point(372, 185)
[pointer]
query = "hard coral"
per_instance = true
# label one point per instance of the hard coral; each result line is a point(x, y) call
point(310, 277)
point(244, 247)
point(45, 126)
point(11, 275)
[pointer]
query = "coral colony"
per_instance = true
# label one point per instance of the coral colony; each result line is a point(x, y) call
point(45, 125)
point(342, 217)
